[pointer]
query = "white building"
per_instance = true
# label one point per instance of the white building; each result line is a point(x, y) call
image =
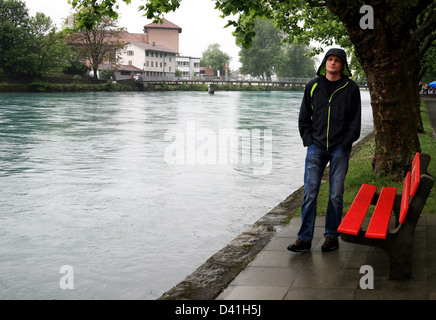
point(156, 61)
point(189, 66)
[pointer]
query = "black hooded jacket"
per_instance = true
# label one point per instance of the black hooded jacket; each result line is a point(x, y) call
point(330, 120)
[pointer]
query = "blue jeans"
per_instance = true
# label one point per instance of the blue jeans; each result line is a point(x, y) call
point(316, 161)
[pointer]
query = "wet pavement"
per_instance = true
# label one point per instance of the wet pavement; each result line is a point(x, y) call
point(278, 274)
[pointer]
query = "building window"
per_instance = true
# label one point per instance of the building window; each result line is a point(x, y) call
point(130, 62)
point(146, 53)
point(130, 53)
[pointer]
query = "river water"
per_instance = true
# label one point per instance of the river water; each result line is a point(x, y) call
point(122, 195)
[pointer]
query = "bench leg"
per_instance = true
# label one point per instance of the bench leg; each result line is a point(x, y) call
point(398, 248)
point(400, 259)
point(400, 267)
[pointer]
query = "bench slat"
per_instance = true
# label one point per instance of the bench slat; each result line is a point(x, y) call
point(378, 226)
point(355, 215)
point(405, 198)
point(416, 168)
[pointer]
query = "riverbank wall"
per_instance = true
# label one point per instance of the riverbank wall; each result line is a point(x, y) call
point(131, 85)
point(75, 83)
point(214, 275)
point(42, 86)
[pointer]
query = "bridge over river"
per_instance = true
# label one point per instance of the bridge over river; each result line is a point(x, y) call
point(274, 82)
point(279, 82)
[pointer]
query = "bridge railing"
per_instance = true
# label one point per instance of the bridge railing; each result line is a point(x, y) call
point(232, 80)
point(229, 79)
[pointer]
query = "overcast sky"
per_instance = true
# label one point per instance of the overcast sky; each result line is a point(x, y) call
point(200, 22)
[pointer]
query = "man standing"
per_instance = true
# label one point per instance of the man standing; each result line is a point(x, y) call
point(329, 123)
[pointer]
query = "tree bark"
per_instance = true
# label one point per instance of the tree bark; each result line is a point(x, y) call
point(394, 112)
point(390, 58)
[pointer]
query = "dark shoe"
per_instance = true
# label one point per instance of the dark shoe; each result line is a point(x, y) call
point(299, 246)
point(330, 244)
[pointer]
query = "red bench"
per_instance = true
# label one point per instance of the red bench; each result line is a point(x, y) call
point(407, 208)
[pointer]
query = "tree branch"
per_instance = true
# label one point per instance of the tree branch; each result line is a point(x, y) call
point(426, 44)
point(346, 11)
point(317, 4)
point(428, 26)
point(424, 35)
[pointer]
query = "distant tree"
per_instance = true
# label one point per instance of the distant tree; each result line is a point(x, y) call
point(268, 54)
point(29, 45)
point(99, 44)
point(295, 63)
point(14, 36)
point(75, 67)
point(428, 66)
point(48, 49)
point(264, 55)
point(215, 58)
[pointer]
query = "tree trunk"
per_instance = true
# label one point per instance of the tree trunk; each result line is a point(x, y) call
point(390, 59)
point(416, 100)
point(394, 112)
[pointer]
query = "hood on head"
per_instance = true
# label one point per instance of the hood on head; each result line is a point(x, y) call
point(338, 53)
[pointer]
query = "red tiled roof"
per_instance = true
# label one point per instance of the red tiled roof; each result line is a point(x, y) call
point(120, 38)
point(164, 25)
point(132, 37)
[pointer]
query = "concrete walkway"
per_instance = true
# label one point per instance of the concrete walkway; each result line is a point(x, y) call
point(278, 274)
point(430, 102)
